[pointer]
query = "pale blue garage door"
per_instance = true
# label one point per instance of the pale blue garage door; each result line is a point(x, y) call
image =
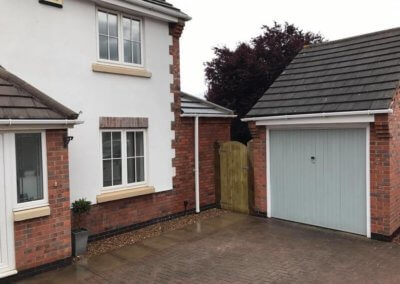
point(318, 177)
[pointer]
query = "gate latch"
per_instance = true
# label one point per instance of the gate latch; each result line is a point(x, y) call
point(313, 159)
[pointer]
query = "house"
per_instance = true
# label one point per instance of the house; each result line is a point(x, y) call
point(327, 137)
point(116, 62)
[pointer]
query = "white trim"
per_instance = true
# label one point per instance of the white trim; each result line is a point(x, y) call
point(196, 163)
point(324, 114)
point(269, 203)
point(125, 185)
point(66, 122)
point(368, 175)
point(320, 120)
point(209, 115)
point(8, 273)
point(368, 181)
point(7, 223)
point(145, 8)
point(31, 204)
point(120, 37)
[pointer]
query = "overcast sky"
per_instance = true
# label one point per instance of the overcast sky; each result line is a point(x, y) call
point(227, 22)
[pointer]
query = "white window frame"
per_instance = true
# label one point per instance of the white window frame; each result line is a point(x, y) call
point(12, 164)
point(124, 156)
point(121, 56)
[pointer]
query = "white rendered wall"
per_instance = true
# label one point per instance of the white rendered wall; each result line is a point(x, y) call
point(53, 49)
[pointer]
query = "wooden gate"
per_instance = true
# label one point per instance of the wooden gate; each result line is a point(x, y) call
point(234, 171)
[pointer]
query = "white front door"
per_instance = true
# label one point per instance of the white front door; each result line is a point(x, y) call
point(7, 257)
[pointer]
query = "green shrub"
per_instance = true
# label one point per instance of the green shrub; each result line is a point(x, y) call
point(80, 207)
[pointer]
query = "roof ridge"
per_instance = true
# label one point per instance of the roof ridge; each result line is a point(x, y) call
point(351, 38)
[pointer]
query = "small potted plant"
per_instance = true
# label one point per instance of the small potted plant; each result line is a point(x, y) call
point(80, 235)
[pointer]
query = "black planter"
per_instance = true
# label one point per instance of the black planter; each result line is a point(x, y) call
point(79, 242)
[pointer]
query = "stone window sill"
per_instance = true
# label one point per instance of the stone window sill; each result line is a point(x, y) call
point(123, 194)
point(121, 70)
point(31, 213)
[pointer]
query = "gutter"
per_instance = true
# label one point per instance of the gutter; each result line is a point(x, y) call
point(319, 115)
point(167, 11)
point(11, 122)
point(209, 115)
point(149, 6)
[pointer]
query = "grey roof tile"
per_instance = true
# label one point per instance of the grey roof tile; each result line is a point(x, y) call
point(19, 100)
point(192, 105)
point(358, 73)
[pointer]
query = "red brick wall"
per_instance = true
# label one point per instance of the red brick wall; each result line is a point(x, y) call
point(117, 214)
point(48, 239)
point(380, 175)
point(259, 168)
point(394, 128)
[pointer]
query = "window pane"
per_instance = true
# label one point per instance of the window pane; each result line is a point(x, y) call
point(29, 167)
point(106, 145)
point(113, 25)
point(136, 30)
point(103, 47)
point(113, 49)
point(139, 144)
point(117, 172)
point(131, 170)
point(107, 180)
point(130, 144)
point(102, 23)
point(140, 169)
point(137, 59)
point(128, 51)
point(116, 144)
point(127, 28)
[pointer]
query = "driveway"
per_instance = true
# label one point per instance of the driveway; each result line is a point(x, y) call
point(235, 248)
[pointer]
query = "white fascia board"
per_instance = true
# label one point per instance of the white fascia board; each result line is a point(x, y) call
point(292, 118)
point(149, 10)
point(209, 115)
point(319, 120)
point(26, 124)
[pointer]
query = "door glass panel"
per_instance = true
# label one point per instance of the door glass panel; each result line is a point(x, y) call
point(29, 167)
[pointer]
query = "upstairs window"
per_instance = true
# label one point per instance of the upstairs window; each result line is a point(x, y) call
point(132, 42)
point(108, 36)
point(119, 38)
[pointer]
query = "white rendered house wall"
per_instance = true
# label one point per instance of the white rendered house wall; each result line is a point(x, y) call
point(54, 49)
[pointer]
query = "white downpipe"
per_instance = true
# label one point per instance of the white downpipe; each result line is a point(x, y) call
point(196, 163)
point(326, 114)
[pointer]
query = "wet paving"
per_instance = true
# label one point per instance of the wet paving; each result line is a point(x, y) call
point(234, 248)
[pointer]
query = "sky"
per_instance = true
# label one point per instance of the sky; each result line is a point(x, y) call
point(228, 22)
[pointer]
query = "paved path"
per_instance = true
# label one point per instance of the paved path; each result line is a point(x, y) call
point(236, 248)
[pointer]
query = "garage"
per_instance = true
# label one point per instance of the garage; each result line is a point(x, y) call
point(326, 138)
point(318, 177)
